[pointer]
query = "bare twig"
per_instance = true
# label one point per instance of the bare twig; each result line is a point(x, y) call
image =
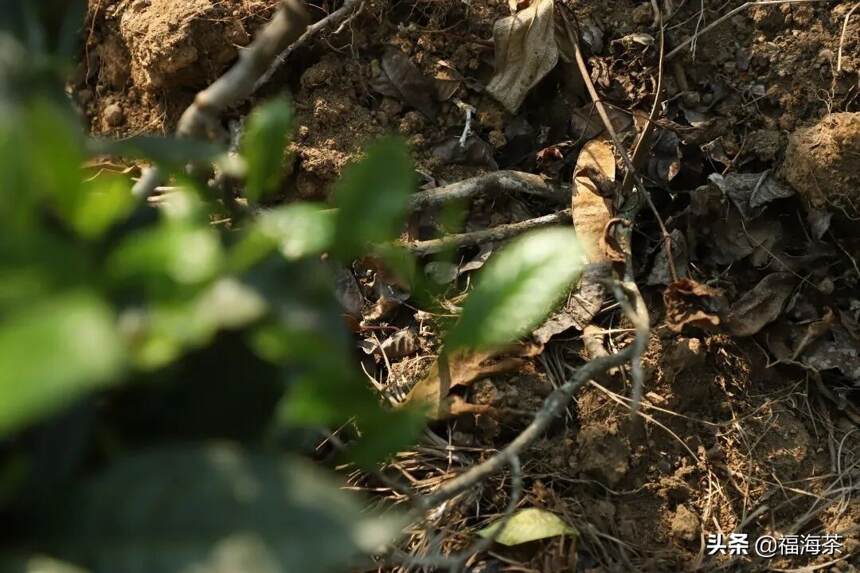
point(552, 407)
point(498, 233)
point(202, 118)
point(638, 314)
point(497, 181)
point(336, 17)
point(516, 494)
point(842, 36)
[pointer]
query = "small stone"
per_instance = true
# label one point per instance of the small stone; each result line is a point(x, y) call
point(114, 115)
point(685, 524)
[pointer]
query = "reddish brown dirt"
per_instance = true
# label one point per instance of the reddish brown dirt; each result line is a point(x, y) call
point(726, 437)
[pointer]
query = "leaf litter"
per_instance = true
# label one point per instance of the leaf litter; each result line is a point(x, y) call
point(753, 261)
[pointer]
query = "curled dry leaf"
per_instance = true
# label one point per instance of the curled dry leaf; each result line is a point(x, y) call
point(837, 351)
point(760, 306)
point(691, 303)
point(734, 240)
point(466, 368)
point(475, 151)
point(526, 51)
point(751, 192)
point(398, 77)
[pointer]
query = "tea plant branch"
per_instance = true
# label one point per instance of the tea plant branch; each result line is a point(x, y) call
point(339, 16)
point(202, 118)
point(497, 181)
point(498, 233)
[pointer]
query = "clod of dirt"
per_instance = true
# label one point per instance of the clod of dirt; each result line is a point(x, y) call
point(603, 454)
point(822, 163)
point(686, 353)
point(179, 42)
point(685, 524)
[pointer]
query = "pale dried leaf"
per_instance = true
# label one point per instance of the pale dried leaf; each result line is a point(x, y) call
point(530, 524)
point(595, 170)
point(526, 51)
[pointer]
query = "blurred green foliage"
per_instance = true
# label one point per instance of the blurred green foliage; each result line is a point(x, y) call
point(134, 340)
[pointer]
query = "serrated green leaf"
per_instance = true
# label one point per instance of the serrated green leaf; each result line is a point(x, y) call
point(527, 525)
point(216, 508)
point(518, 288)
point(371, 197)
point(264, 145)
point(52, 353)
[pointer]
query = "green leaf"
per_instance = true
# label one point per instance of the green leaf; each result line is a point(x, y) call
point(36, 564)
point(264, 145)
point(297, 231)
point(527, 525)
point(371, 197)
point(102, 203)
point(52, 353)
point(160, 334)
point(182, 254)
point(170, 152)
point(217, 508)
point(518, 288)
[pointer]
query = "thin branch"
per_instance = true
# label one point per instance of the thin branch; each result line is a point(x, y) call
point(336, 17)
point(842, 36)
point(498, 233)
point(552, 407)
point(202, 117)
point(497, 181)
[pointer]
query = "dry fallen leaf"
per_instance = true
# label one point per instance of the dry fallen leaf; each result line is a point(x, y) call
point(399, 77)
point(691, 303)
point(595, 170)
point(466, 368)
point(581, 306)
point(761, 305)
point(526, 51)
point(661, 273)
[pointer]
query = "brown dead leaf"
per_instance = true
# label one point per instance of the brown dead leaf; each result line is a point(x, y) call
point(751, 192)
point(761, 305)
point(691, 303)
point(661, 273)
point(466, 368)
point(837, 351)
point(399, 77)
point(581, 306)
point(526, 51)
point(595, 169)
